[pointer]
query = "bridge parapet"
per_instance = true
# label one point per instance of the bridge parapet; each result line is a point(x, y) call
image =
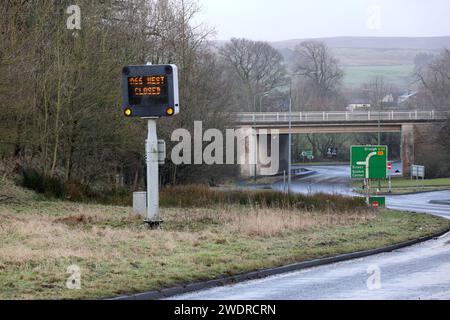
point(337, 116)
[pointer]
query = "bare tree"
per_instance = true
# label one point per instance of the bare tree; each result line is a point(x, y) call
point(254, 66)
point(434, 80)
point(376, 91)
point(421, 61)
point(315, 62)
point(434, 92)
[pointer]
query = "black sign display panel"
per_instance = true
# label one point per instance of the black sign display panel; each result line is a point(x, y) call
point(150, 91)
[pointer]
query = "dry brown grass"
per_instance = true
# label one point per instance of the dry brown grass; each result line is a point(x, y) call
point(200, 196)
point(118, 255)
point(90, 233)
point(30, 238)
point(268, 222)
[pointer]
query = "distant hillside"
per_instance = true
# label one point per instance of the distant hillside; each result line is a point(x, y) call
point(423, 43)
point(363, 58)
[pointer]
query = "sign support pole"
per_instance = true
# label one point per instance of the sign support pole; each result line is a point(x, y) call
point(390, 182)
point(368, 190)
point(151, 150)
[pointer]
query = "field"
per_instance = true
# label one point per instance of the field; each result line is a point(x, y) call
point(213, 235)
point(370, 58)
point(377, 57)
point(398, 75)
point(395, 65)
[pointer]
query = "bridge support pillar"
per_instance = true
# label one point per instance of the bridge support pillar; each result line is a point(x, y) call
point(284, 153)
point(247, 158)
point(247, 167)
point(408, 152)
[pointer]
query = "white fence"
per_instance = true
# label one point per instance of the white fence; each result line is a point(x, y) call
point(336, 116)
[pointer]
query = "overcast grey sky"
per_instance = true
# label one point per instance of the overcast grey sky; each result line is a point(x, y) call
point(292, 19)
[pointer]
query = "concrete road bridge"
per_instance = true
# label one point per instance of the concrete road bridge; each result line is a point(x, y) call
point(404, 122)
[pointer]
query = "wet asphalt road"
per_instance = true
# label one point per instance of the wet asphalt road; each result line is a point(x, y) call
point(418, 272)
point(326, 179)
point(421, 203)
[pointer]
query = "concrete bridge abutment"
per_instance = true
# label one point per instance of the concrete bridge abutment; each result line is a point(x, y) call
point(407, 148)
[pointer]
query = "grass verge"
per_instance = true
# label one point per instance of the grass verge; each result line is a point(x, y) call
point(204, 197)
point(406, 185)
point(116, 255)
point(324, 163)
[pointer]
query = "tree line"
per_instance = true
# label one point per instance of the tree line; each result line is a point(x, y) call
point(60, 87)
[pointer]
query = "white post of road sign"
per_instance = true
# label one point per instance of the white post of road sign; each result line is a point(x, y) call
point(389, 167)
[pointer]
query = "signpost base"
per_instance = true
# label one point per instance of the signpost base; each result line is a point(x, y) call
point(153, 224)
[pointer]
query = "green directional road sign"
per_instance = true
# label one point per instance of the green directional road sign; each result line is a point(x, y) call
point(308, 154)
point(369, 162)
